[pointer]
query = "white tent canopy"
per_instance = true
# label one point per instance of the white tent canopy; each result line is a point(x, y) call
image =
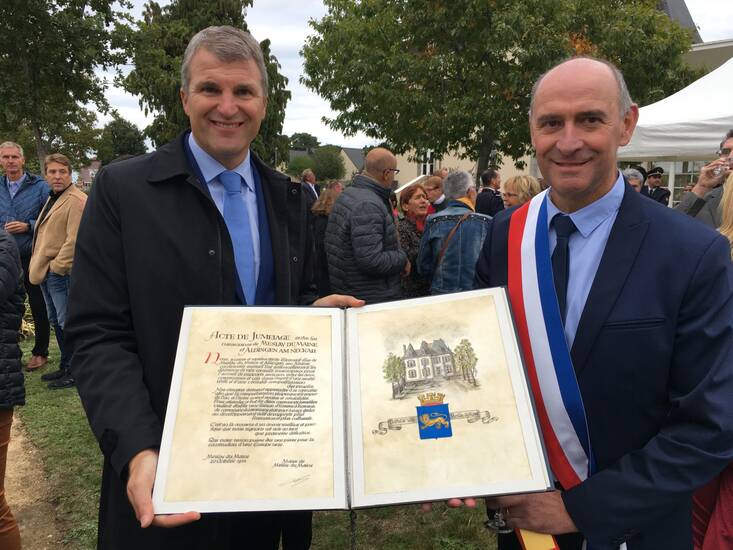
point(687, 125)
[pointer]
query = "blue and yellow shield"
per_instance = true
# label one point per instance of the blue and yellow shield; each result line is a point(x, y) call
point(433, 421)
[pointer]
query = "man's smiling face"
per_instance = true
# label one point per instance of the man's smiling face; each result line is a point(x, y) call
point(576, 128)
point(225, 104)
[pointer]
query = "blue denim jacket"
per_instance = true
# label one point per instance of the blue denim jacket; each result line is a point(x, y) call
point(456, 270)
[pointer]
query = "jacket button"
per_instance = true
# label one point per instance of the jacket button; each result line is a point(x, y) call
point(293, 191)
point(211, 252)
point(295, 259)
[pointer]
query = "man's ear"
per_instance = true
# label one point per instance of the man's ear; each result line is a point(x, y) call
point(629, 123)
point(184, 100)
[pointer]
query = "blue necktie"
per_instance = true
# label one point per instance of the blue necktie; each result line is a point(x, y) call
point(237, 219)
point(564, 227)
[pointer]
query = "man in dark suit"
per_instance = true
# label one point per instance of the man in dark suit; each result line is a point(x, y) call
point(652, 361)
point(489, 199)
point(311, 188)
point(656, 191)
point(200, 221)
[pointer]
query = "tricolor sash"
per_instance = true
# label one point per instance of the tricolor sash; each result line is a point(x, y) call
point(540, 327)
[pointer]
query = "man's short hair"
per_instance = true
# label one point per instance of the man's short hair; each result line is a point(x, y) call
point(12, 144)
point(728, 135)
point(487, 176)
point(456, 184)
point(57, 158)
point(624, 98)
point(434, 182)
point(633, 173)
point(228, 44)
point(305, 173)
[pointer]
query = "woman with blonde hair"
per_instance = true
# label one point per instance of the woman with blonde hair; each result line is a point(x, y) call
point(726, 211)
point(519, 189)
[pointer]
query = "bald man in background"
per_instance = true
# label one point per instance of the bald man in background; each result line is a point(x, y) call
point(364, 257)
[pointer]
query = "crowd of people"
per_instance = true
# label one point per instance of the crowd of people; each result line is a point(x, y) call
point(645, 329)
point(40, 220)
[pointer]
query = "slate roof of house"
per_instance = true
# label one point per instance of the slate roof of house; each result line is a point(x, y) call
point(356, 155)
point(438, 347)
point(677, 11)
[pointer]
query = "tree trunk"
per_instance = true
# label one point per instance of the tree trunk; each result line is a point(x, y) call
point(41, 149)
point(484, 154)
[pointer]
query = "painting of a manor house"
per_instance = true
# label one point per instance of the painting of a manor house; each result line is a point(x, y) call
point(428, 362)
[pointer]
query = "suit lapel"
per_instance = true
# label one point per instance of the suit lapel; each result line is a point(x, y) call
point(59, 202)
point(623, 245)
point(276, 199)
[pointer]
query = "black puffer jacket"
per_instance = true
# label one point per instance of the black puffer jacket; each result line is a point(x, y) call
point(364, 257)
point(12, 298)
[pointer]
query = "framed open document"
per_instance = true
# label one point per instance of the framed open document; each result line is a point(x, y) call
point(279, 408)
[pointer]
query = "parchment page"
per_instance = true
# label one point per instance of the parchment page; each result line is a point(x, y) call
point(254, 415)
point(449, 359)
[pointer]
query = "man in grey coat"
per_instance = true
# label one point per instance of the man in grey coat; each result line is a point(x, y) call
point(703, 202)
point(364, 257)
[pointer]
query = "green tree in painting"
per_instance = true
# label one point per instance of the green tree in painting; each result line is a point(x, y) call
point(394, 371)
point(465, 361)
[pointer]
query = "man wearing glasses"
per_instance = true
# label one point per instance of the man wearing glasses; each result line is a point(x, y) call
point(364, 257)
point(703, 201)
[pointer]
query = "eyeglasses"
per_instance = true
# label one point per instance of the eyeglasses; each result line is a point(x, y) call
point(506, 194)
point(724, 152)
point(395, 170)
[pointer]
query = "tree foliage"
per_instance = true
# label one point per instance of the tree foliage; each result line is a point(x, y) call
point(156, 46)
point(430, 76)
point(328, 164)
point(394, 371)
point(303, 142)
point(466, 360)
point(393, 368)
point(120, 137)
point(298, 164)
point(48, 57)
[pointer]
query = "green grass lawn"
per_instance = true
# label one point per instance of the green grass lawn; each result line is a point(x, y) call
point(56, 424)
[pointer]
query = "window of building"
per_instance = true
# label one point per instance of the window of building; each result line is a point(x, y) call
point(438, 360)
point(438, 371)
point(426, 166)
point(424, 361)
point(412, 373)
point(686, 173)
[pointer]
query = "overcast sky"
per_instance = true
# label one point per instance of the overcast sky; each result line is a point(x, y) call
point(285, 23)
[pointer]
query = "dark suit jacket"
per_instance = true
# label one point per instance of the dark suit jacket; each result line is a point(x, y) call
point(660, 194)
point(152, 241)
point(653, 356)
point(489, 202)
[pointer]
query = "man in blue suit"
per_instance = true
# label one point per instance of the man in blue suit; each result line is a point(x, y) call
point(649, 328)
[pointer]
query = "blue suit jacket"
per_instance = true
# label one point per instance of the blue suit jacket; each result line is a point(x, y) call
point(654, 360)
